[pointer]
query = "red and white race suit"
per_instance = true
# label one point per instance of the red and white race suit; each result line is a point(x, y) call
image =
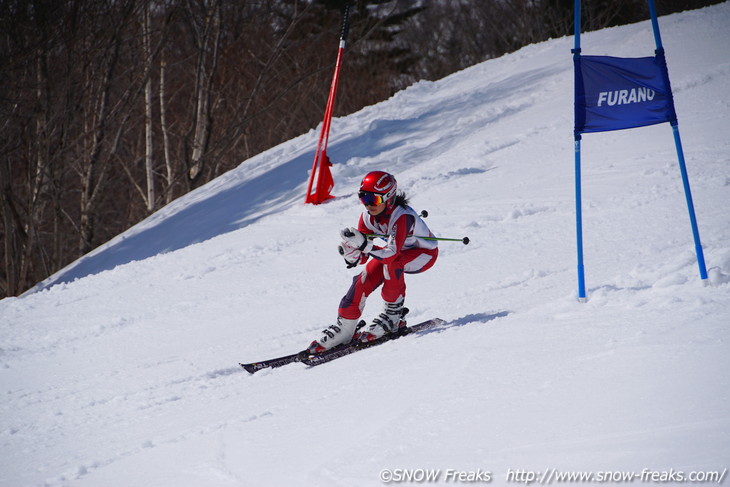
point(404, 253)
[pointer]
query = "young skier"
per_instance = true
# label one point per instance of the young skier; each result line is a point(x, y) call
point(386, 213)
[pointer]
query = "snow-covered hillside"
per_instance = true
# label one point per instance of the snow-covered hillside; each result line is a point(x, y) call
point(121, 370)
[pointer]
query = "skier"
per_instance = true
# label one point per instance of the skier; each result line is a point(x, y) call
point(386, 213)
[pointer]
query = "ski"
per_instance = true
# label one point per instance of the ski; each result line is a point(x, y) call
point(337, 352)
point(313, 359)
point(271, 363)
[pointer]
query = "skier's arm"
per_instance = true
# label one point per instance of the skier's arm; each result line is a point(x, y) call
point(364, 230)
point(395, 240)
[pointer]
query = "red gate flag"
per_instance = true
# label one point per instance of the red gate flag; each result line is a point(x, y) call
point(321, 182)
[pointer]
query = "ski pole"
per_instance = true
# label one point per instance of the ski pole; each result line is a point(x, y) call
point(424, 214)
point(464, 240)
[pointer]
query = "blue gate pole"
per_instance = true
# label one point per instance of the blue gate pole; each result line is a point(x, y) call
point(579, 223)
point(576, 25)
point(655, 25)
point(578, 197)
point(680, 152)
point(690, 205)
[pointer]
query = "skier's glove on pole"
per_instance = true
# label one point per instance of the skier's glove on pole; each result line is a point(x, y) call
point(354, 238)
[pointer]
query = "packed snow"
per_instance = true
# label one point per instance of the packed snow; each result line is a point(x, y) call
point(122, 369)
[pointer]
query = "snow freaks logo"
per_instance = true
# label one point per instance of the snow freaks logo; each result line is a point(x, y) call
point(421, 475)
point(549, 476)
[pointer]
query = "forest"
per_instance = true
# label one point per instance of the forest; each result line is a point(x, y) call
point(110, 109)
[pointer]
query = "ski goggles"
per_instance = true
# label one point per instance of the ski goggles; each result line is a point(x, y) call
point(371, 199)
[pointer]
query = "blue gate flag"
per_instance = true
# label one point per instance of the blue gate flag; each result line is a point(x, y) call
point(621, 93)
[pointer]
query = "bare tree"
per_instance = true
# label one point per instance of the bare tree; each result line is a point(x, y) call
point(93, 162)
point(147, 53)
point(169, 168)
point(204, 23)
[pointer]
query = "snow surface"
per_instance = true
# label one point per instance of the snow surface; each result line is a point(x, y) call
point(121, 370)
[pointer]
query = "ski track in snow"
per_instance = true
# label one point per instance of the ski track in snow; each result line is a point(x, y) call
point(121, 370)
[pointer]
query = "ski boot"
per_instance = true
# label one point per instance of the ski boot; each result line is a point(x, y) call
point(334, 335)
point(391, 320)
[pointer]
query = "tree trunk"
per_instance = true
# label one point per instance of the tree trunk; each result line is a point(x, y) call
point(209, 40)
point(169, 171)
point(148, 110)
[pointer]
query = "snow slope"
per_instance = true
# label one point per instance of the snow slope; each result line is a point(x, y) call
point(121, 370)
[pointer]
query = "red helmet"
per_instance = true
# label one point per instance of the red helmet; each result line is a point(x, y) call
point(378, 183)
